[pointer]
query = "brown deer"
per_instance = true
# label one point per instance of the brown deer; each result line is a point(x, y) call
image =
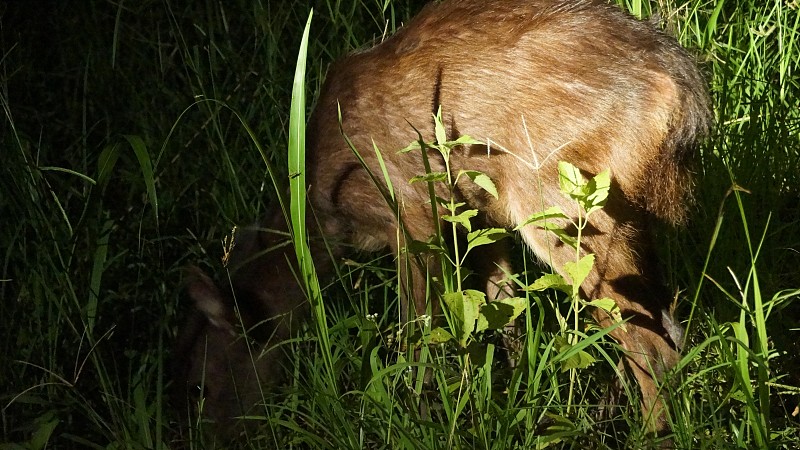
point(538, 81)
point(211, 353)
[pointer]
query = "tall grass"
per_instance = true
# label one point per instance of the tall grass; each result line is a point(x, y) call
point(130, 146)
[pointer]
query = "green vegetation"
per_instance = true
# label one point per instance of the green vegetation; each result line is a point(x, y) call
point(132, 140)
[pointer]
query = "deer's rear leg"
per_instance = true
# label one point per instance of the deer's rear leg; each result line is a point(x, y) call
point(625, 271)
point(492, 263)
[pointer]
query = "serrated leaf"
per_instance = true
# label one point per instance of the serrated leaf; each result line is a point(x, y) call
point(561, 234)
point(473, 301)
point(482, 180)
point(497, 314)
point(475, 297)
point(411, 147)
point(418, 247)
point(551, 213)
point(445, 203)
point(579, 360)
point(462, 218)
point(570, 180)
point(578, 271)
point(569, 357)
point(466, 140)
point(557, 429)
point(597, 191)
point(430, 177)
point(550, 281)
point(464, 307)
point(439, 335)
point(606, 304)
point(455, 304)
point(485, 236)
point(591, 194)
point(609, 306)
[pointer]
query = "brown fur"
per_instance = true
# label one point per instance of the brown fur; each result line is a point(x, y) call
point(228, 352)
point(540, 81)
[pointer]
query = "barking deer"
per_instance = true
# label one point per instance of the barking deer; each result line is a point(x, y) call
point(545, 81)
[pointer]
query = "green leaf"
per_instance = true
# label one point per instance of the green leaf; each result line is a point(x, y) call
point(561, 234)
point(597, 191)
point(550, 281)
point(606, 304)
point(473, 300)
point(570, 180)
point(466, 140)
point(445, 203)
point(143, 156)
point(45, 425)
point(551, 213)
point(570, 357)
point(455, 304)
point(439, 335)
point(350, 323)
point(384, 170)
point(739, 396)
point(296, 163)
point(580, 360)
point(106, 162)
point(592, 194)
point(430, 177)
point(441, 133)
point(98, 266)
point(463, 307)
point(419, 247)
point(497, 314)
point(578, 271)
point(67, 171)
point(485, 236)
point(556, 430)
point(411, 147)
point(609, 306)
point(462, 218)
point(482, 180)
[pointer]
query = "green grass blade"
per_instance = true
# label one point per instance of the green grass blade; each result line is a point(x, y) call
point(297, 189)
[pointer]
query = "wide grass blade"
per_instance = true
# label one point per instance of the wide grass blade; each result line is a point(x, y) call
point(297, 189)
